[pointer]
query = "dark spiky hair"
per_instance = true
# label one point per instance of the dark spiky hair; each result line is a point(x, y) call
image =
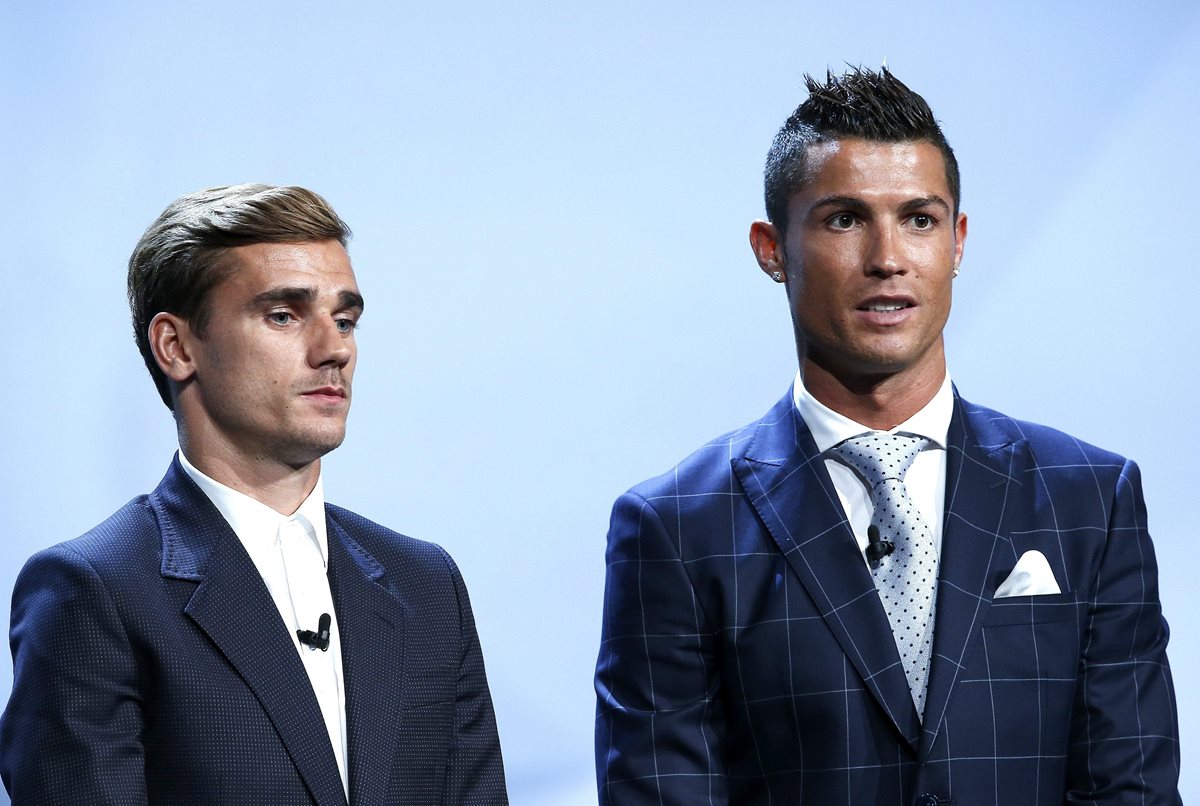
point(859, 103)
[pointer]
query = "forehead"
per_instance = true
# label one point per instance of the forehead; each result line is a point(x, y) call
point(868, 170)
point(323, 266)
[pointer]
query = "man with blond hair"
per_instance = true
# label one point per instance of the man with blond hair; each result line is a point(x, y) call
point(230, 637)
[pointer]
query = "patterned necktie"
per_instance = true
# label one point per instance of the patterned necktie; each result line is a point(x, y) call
point(907, 577)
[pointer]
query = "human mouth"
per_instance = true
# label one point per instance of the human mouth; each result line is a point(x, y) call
point(887, 310)
point(327, 395)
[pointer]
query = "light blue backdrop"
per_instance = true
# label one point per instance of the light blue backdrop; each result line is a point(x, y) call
point(551, 203)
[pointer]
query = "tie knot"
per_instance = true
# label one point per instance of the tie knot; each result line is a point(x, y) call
point(879, 456)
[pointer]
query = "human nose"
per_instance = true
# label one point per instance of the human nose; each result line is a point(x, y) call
point(886, 255)
point(330, 344)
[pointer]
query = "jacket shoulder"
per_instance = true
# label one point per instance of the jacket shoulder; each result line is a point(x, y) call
point(126, 539)
point(709, 468)
point(389, 547)
point(1048, 445)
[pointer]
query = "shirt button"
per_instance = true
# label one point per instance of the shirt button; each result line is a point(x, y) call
point(927, 800)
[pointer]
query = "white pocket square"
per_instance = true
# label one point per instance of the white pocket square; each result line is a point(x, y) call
point(1031, 576)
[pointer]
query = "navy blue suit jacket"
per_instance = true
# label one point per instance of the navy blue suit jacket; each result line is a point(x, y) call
point(747, 658)
point(151, 666)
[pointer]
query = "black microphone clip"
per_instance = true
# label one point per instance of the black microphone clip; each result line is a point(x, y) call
point(877, 548)
point(320, 638)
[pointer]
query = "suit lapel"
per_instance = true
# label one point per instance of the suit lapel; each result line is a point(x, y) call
point(371, 623)
point(787, 484)
point(233, 607)
point(984, 463)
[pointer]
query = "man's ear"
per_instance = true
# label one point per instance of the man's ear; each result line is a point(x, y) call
point(960, 238)
point(171, 342)
point(768, 250)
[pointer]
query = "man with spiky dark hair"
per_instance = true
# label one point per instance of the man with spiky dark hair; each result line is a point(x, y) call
point(879, 593)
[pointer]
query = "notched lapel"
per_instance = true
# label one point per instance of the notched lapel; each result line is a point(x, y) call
point(372, 623)
point(984, 465)
point(787, 484)
point(232, 606)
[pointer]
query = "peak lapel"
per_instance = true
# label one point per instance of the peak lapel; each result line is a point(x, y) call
point(983, 466)
point(787, 483)
point(233, 607)
point(371, 621)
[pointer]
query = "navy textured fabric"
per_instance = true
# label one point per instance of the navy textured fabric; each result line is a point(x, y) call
point(746, 657)
point(151, 667)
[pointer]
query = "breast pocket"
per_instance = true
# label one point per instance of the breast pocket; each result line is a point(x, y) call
point(1032, 638)
point(428, 685)
point(1033, 609)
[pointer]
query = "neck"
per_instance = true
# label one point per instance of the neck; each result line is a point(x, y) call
point(280, 486)
point(880, 403)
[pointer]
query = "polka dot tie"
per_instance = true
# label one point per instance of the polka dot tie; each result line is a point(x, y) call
point(906, 578)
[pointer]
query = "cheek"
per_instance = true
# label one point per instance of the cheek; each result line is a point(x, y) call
point(815, 310)
point(936, 255)
point(939, 304)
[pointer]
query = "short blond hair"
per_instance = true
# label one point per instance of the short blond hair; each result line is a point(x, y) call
point(178, 260)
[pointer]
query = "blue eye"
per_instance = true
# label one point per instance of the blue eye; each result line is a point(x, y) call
point(346, 325)
point(279, 317)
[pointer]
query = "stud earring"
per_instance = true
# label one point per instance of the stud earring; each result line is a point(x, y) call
point(777, 276)
point(955, 269)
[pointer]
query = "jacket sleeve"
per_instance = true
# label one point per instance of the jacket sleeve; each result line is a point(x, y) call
point(475, 773)
point(72, 731)
point(659, 725)
point(1124, 729)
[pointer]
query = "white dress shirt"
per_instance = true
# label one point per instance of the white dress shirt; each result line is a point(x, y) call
point(925, 479)
point(291, 553)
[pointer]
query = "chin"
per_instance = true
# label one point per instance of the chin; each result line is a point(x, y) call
point(303, 449)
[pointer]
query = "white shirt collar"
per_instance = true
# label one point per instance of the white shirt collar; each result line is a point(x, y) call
point(256, 523)
point(830, 428)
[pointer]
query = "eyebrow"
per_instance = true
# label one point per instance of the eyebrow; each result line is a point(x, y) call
point(846, 202)
point(856, 205)
point(350, 299)
point(293, 295)
point(934, 200)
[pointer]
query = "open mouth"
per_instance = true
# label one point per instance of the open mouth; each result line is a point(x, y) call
point(885, 307)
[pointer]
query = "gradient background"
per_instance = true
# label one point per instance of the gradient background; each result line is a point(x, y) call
point(551, 203)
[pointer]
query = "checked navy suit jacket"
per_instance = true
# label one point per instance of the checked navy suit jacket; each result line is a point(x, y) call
point(151, 667)
point(747, 659)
